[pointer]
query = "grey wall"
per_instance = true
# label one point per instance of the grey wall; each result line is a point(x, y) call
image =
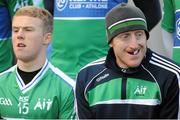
point(155, 41)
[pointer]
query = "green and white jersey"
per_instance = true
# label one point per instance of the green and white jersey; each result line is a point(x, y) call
point(14, 5)
point(48, 96)
point(6, 55)
point(7, 10)
point(171, 23)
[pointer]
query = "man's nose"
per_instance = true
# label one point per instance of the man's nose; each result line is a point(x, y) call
point(20, 34)
point(133, 42)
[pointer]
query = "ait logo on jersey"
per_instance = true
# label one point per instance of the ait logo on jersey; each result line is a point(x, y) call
point(140, 90)
point(178, 28)
point(43, 104)
point(61, 4)
point(19, 4)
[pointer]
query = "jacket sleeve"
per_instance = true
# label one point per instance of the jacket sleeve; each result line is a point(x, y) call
point(168, 18)
point(170, 102)
point(82, 107)
point(49, 5)
point(151, 10)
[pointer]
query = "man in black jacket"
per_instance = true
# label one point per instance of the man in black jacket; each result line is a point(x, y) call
point(132, 81)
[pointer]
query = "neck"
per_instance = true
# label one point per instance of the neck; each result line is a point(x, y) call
point(30, 66)
point(27, 76)
point(120, 65)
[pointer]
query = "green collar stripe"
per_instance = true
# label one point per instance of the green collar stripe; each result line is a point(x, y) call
point(126, 24)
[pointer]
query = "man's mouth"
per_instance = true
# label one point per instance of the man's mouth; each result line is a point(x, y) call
point(134, 52)
point(21, 45)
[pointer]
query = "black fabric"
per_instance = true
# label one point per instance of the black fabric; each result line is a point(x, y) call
point(151, 10)
point(49, 5)
point(27, 76)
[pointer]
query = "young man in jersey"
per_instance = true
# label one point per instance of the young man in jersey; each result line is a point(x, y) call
point(7, 10)
point(132, 82)
point(34, 88)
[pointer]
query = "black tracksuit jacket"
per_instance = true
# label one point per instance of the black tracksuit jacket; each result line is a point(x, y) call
point(103, 90)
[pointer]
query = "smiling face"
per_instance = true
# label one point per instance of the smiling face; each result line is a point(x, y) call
point(29, 40)
point(129, 48)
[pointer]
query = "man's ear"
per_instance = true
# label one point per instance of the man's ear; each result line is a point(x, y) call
point(110, 44)
point(47, 38)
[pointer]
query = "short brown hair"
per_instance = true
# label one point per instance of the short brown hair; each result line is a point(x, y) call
point(37, 12)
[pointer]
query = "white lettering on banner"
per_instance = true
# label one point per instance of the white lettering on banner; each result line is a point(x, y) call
point(75, 6)
point(88, 0)
point(96, 6)
point(78, 4)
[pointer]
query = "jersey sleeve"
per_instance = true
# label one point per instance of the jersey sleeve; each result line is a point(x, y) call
point(67, 110)
point(2, 3)
point(49, 5)
point(151, 10)
point(168, 16)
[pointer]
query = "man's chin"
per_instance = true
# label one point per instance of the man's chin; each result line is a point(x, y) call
point(134, 64)
point(23, 58)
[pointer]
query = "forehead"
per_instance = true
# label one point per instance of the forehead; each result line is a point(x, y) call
point(26, 21)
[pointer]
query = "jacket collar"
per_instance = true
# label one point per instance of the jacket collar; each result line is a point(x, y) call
point(111, 63)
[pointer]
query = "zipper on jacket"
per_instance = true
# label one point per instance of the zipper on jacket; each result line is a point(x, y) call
point(123, 88)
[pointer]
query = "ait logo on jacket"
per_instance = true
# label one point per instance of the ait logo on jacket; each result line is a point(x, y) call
point(140, 90)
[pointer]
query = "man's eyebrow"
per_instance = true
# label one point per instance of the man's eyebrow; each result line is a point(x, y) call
point(15, 27)
point(25, 27)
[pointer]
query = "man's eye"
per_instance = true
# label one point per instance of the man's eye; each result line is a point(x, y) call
point(125, 36)
point(15, 30)
point(139, 34)
point(28, 29)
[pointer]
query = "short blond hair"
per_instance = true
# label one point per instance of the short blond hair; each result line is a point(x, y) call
point(37, 12)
